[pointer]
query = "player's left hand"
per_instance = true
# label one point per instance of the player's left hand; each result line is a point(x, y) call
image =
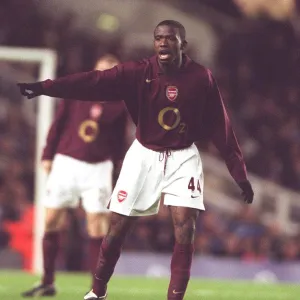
point(31, 90)
point(247, 191)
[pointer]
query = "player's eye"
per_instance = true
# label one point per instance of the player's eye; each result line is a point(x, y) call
point(172, 38)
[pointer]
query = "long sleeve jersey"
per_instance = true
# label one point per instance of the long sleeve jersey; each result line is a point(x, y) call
point(171, 111)
point(88, 131)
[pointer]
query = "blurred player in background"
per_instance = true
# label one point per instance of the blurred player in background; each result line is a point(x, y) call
point(175, 102)
point(83, 143)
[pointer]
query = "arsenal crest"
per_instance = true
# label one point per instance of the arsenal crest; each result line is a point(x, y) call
point(172, 93)
point(96, 111)
point(122, 195)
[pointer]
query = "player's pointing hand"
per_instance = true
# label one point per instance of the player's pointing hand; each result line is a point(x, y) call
point(31, 90)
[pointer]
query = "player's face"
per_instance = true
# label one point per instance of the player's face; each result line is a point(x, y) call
point(102, 65)
point(167, 44)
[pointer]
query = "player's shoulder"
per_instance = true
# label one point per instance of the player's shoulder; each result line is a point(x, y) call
point(199, 68)
point(200, 71)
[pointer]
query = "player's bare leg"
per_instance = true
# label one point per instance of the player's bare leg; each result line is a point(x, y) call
point(53, 225)
point(97, 227)
point(97, 224)
point(109, 254)
point(184, 221)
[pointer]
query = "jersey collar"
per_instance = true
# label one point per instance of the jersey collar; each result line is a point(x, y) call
point(186, 60)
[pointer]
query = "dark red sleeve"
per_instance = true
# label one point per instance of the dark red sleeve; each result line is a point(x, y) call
point(112, 85)
point(55, 131)
point(222, 133)
point(120, 136)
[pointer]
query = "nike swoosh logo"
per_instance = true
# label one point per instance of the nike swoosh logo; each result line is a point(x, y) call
point(150, 80)
point(174, 292)
point(194, 196)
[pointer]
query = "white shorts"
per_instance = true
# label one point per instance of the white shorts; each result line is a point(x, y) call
point(71, 180)
point(146, 175)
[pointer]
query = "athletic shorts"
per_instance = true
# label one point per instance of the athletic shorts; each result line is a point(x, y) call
point(71, 180)
point(147, 175)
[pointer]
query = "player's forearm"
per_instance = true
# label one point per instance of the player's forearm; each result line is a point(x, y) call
point(56, 130)
point(110, 85)
point(48, 153)
point(231, 153)
point(81, 86)
point(51, 144)
point(236, 166)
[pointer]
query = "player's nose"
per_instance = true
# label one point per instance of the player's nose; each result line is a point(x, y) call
point(163, 43)
point(163, 47)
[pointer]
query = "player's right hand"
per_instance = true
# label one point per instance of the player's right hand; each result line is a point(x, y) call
point(31, 90)
point(47, 165)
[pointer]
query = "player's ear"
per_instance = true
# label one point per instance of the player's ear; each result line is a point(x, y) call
point(183, 45)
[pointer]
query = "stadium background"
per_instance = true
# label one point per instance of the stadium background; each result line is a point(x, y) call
point(253, 49)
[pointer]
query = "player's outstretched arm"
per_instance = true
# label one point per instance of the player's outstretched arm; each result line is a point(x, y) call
point(225, 140)
point(111, 85)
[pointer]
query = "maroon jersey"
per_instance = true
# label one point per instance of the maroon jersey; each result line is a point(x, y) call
point(88, 131)
point(170, 111)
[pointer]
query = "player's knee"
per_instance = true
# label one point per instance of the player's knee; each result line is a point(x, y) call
point(120, 224)
point(184, 231)
point(184, 221)
point(53, 220)
point(97, 224)
point(52, 225)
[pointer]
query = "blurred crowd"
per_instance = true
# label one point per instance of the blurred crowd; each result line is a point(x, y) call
point(257, 71)
point(240, 236)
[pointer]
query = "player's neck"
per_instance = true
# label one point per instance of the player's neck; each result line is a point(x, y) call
point(171, 68)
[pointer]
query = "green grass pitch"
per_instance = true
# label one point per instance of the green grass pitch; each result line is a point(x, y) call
point(74, 286)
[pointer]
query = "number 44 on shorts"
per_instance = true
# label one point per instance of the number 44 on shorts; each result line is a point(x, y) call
point(191, 185)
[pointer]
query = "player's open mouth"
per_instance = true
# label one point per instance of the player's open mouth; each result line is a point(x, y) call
point(164, 54)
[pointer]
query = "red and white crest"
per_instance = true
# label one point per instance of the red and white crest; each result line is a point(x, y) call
point(172, 92)
point(96, 111)
point(122, 195)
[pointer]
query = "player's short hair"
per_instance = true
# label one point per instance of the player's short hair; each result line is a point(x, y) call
point(174, 24)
